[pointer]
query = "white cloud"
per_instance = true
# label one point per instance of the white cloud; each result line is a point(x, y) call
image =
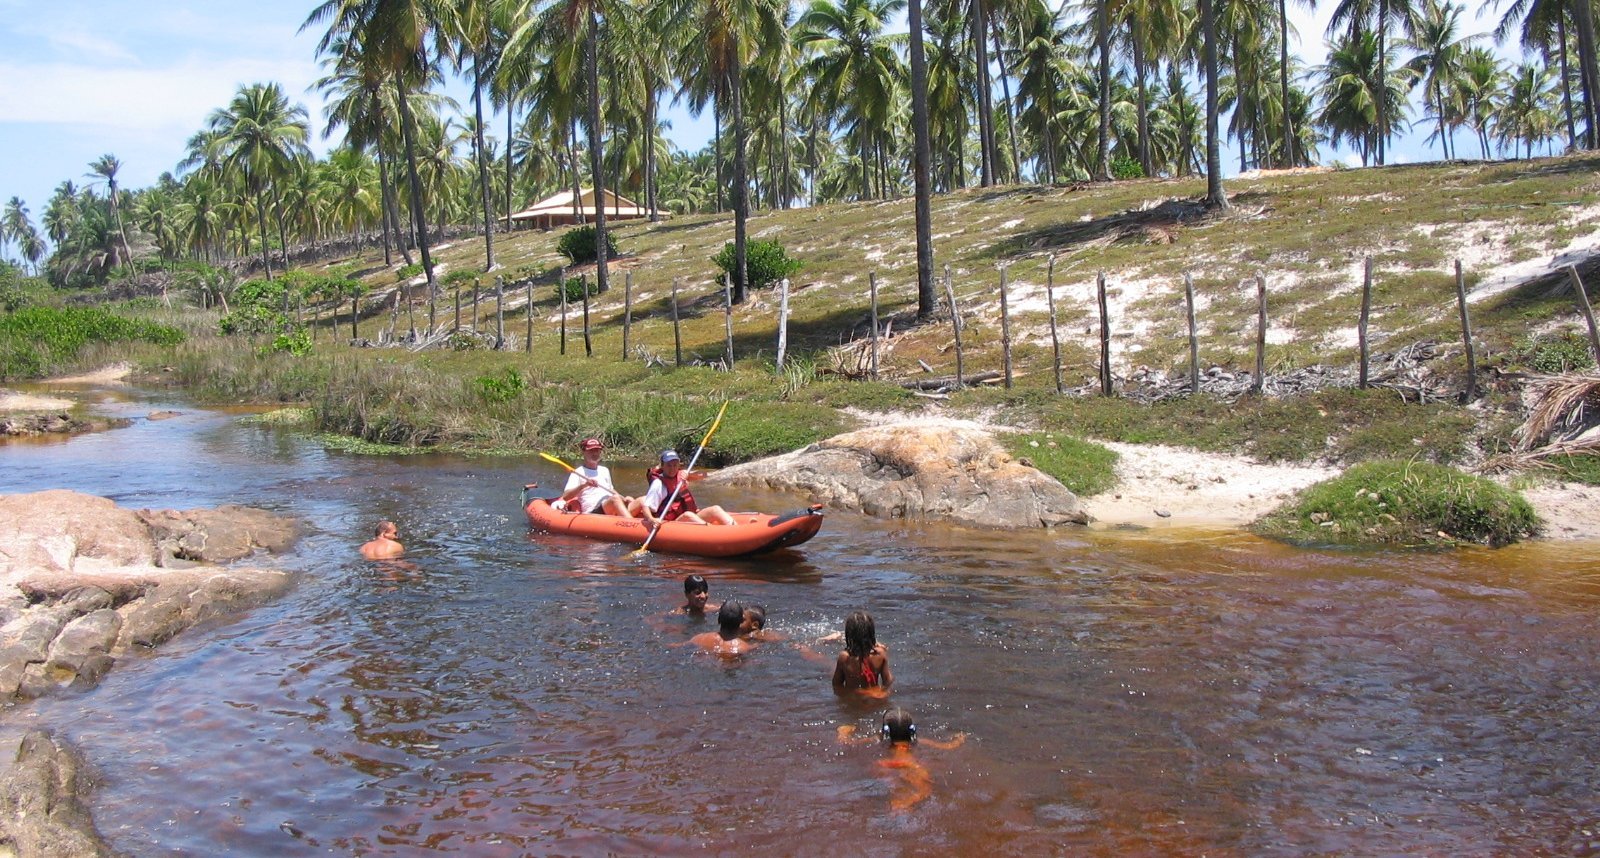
point(177, 97)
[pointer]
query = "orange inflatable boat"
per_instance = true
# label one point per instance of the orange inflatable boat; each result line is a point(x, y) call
point(750, 533)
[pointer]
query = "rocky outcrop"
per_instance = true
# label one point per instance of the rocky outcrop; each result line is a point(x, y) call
point(928, 469)
point(42, 811)
point(83, 582)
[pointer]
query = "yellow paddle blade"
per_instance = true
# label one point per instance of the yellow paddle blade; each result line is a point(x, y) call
point(551, 458)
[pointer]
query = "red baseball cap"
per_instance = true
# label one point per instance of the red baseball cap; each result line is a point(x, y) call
point(591, 444)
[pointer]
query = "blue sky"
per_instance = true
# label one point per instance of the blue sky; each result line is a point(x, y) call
point(83, 78)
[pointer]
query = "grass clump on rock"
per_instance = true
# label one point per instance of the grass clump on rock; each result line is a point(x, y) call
point(1403, 504)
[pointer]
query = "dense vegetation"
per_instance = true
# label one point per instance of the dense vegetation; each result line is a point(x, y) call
point(1403, 504)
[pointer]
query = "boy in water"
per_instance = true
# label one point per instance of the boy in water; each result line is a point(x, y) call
point(725, 641)
point(901, 733)
point(696, 593)
point(385, 543)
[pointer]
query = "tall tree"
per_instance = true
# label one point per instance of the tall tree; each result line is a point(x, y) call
point(1437, 63)
point(1216, 198)
point(258, 135)
point(105, 168)
point(922, 163)
point(854, 66)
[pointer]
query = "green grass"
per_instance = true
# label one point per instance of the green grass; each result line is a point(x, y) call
point(1411, 504)
point(1083, 467)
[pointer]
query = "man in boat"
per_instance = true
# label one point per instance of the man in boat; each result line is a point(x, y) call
point(665, 479)
point(385, 544)
point(589, 488)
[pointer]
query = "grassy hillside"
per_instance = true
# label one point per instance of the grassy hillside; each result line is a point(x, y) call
point(1306, 233)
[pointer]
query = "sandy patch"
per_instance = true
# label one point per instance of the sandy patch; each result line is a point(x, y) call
point(1194, 488)
point(105, 375)
point(1568, 510)
point(13, 401)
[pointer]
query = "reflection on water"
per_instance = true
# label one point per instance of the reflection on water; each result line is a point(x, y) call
point(512, 693)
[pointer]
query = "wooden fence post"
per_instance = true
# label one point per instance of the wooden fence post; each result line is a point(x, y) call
point(411, 313)
point(528, 346)
point(1260, 385)
point(1105, 336)
point(955, 323)
point(1466, 335)
point(458, 308)
point(562, 288)
point(1055, 338)
point(727, 318)
point(677, 335)
point(1588, 311)
point(783, 321)
point(1361, 324)
point(588, 345)
point(627, 310)
point(355, 309)
point(872, 300)
point(1194, 339)
point(1005, 329)
point(499, 312)
point(477, 289)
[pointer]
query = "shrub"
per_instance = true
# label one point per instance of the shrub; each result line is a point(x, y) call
point(406, 272)
point(765, 262)
point(577, 244)
point(461, 278)
point(574, 287)
point(504, 387)
point(1403, 503)
point(35, 339)
point(1124, 167)
point(252, 319)
point(1553, 353)
point(297, 343)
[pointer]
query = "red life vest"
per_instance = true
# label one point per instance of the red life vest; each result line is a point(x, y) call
point(685, 500)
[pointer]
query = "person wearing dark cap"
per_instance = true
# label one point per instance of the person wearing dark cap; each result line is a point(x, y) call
point(899, 733)
point(589, 488)
point(664, 480)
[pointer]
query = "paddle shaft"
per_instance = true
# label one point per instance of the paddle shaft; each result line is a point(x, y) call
point(683, 479)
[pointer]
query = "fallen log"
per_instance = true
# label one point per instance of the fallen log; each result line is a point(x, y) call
point(950, 381)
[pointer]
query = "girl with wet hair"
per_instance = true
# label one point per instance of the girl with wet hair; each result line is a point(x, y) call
point(864, 664)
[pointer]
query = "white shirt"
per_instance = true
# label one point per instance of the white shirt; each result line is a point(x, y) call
point(656, 496)
point(591, 496)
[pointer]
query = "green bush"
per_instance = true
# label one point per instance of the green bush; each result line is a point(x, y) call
point(406, 272)
point(578, 245)
point(765, 262)
point(574, 287)
point(1553, 353)
point(1124, 167)
point(297, 343)
point(33, 340)
point(461, 278)
point(504, 387)
point(252, 319)
point(1403, 504)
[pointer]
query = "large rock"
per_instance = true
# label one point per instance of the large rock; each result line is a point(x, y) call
point(42, 812)
point(929, 469)
point(65, 534)
point(219, 535)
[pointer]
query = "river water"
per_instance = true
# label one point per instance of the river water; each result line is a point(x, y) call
point(508, 693)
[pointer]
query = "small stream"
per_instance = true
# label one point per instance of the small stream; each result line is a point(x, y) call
point(508, 693)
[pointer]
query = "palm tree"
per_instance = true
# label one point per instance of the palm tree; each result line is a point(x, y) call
point(258, 136)
point(1478, 92)
point(14, 223)
point(717, 40)
point(388, 39)
point(1381, 15)
point(106, 167)
point(921, 165)
point(855, 70)
point(1528, 114)
point(473, 27)
point(1216, 198)
point(1356, 96)
point(1544, 23)
point(1438, 62)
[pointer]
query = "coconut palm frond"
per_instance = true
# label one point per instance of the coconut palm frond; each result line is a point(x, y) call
point(1558, 402)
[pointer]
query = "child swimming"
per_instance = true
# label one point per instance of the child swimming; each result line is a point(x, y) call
point(726, 640)
point(696, 592)
point(900, 732)
point(864, 664)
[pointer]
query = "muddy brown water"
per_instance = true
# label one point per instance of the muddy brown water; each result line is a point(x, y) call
point(508, 693)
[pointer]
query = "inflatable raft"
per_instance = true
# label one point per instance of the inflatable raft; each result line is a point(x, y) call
point(750, 533)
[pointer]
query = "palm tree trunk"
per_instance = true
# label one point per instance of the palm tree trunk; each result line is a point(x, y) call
point(741, 203)
point(408, 132)
point(511, 111)
point(1588, 75)
point(1145, 164)
point(1566, 82)
point(483, 163)
point(985, 105)
point(1216, 198)
point(577, 180)
point(716, 146)
point(1102, 168)
point(283, 234)
point(596, 156)
point(921, 163)
point(1382, 146)
point(1289, 159)
point(1005, 89)
point(650, 155)
point(261, 221)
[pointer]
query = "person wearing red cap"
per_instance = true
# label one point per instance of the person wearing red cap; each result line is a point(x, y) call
point(590, 485)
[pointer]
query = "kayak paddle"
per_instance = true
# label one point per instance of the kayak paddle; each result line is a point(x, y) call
point(683, 479)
